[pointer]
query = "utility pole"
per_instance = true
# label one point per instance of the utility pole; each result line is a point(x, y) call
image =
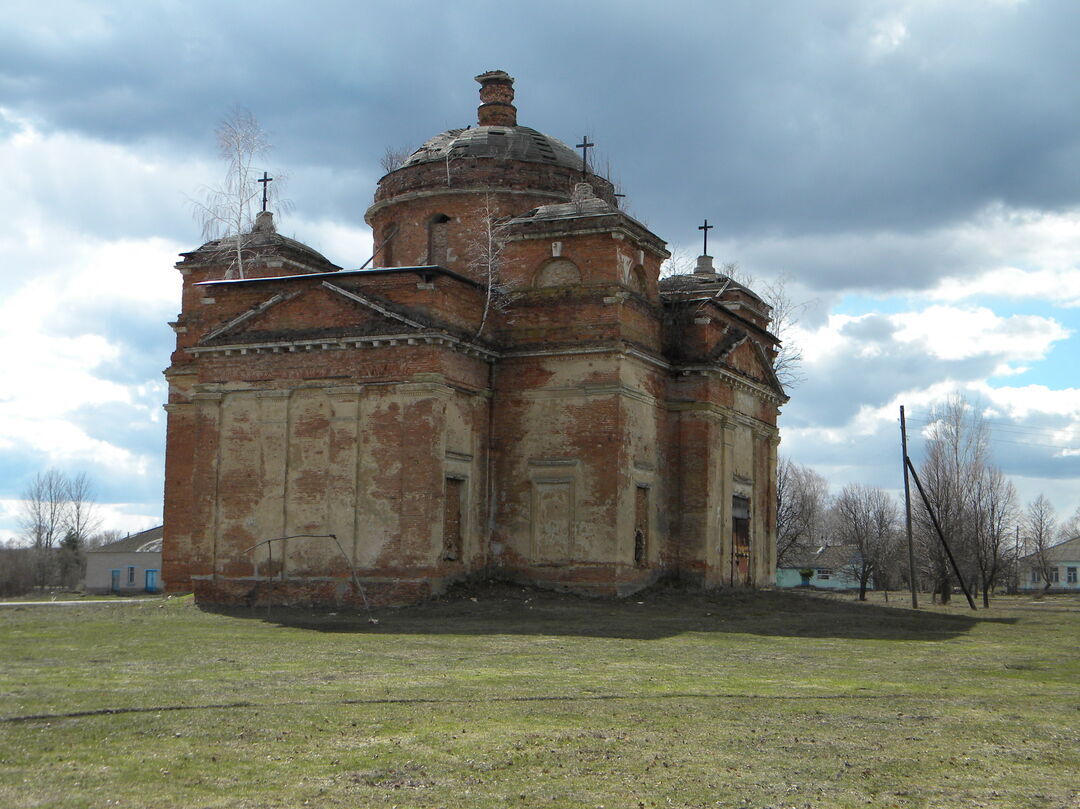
point(907, 506)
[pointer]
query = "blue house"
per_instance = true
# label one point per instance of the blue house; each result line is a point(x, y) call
point(830, 568)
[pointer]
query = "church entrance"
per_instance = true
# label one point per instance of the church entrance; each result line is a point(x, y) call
point(740, 540)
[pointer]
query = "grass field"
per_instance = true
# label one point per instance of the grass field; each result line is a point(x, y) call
point(501, 697)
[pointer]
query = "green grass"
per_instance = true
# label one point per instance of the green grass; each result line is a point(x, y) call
point(529, 699)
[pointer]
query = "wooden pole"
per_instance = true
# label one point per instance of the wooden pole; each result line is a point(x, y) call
point(907, 507)
point(941, 536)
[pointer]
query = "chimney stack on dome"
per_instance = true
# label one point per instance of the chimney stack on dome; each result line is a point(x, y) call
point(496, 99)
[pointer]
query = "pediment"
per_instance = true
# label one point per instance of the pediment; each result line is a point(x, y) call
point(323, 310)
point(739, 352)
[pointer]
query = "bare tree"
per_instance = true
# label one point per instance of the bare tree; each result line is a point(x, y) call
point(484, 251)
point(1070, 528)
point(866, 518)
point(785, 317)
point(82, 516)
point(991, 506)
point(680, 262)
point(957, 453)
point(227, 211)
point(394, 158)
point(105, 537)
point(802, 498)
point(1040, 535)
point(43, 518)
point(57, 515)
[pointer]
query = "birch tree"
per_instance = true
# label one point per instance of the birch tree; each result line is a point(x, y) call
point(227, 211)
point(485, 257)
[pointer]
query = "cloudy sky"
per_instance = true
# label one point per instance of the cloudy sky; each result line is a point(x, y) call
point(912, 168)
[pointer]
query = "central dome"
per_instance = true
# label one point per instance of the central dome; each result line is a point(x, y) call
point(512, 142)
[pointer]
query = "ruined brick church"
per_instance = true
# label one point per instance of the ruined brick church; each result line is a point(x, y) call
point(510, 390)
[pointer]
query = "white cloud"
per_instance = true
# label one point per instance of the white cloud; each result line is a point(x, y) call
point(1059, 285)
point(945, 332)
point(951, 333)
point(48, 372)
point(343, 244)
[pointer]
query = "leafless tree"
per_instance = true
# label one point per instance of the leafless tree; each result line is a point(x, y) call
point(43, 518)
point(484, 251)
point(1070, 528)
point(867, 519)
point(680, 262)
point(58, 513)
point(227, 211)
point(104, 537)
point(786, 314)
point(802, 499)
point(1040, 535)
point(991, 506)
point(394, 158)
point(957, 453)
point(82, 516)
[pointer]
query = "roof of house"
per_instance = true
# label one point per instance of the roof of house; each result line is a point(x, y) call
point(829, 557)
point(1067, 551)
point(148, 541)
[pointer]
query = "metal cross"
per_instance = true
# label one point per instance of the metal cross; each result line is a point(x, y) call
point(705, 228)
point(585, 146)
point(265, 180)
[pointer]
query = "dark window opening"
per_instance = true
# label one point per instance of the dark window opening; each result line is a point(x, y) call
point(641, 526)
point(438, 238)
point(452, 511)
point(386, 246)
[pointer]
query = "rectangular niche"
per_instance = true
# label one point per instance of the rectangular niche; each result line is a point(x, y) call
point(553, 521)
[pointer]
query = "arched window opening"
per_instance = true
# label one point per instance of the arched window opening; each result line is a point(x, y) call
point(637, 280)
point(438, 234)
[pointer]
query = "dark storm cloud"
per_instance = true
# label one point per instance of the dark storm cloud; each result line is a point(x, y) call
point(781, 117)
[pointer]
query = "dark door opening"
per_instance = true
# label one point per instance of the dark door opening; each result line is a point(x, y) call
point(740, 540)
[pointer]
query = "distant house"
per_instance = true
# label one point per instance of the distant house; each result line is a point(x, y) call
point(831, 568)
point(1064, 560)
point(130, 565)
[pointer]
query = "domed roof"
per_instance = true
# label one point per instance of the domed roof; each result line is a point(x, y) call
point(263, 239)
point(513, 142)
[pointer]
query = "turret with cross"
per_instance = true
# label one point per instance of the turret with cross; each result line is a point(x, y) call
point(704, 262)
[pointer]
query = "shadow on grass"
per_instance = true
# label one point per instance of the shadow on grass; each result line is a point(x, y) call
point(503, 609)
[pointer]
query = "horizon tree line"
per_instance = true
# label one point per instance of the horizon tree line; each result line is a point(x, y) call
point(974, 501)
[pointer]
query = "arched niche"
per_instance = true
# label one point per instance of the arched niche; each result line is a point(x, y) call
point(438, 236)
point(637, 280)
point(558, 273)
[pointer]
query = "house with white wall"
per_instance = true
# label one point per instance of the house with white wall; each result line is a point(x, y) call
point(1063, 563)
point(130, 565)
point(831, 568)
